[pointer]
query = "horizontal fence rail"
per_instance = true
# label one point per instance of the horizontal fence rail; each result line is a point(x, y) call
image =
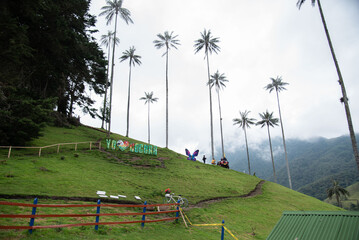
point(97, 215)
point(97, 144)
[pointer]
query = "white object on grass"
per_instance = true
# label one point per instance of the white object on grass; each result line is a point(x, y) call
point(137, 197)
point(112, 196)
point(123, 196)
point(102, 195)
point(101, 192)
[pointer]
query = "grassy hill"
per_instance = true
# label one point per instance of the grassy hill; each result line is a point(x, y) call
point(79, 174)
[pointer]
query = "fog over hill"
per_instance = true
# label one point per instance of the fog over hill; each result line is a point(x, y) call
point(313, 163)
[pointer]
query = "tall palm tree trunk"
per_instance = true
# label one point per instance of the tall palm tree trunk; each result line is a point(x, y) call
point(341, 82)
point(285, 147)
point(271, 153)
point(220, 121)
point(167, 99)
point(128, 101)
point(210, 106)
point(249, 164)
point(105, 100)
point(148, 123)
point(112, 70)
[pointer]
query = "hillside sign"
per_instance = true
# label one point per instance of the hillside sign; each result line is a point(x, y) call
point(133, 147)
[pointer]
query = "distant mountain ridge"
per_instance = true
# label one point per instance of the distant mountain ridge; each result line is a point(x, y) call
point(313, 163)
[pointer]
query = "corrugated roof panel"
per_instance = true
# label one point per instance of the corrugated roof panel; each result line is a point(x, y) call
point(317, 225)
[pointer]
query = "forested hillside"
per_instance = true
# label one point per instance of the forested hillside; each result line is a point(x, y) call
point(313, 164)
point(48, 58)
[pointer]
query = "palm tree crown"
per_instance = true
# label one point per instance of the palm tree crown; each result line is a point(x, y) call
point(207, 42)
point(130, 54)
point(218, 80)
point(267, 119)
point(113, 8)
point(168, 40)
point(107, 39)
point(276, 85)
point(337, 190)
point(149, 98)
point(244, 121)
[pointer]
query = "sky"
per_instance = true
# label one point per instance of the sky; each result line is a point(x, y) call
point(259, 40)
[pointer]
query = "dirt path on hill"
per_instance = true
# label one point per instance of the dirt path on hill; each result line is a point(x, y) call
point(255, 192)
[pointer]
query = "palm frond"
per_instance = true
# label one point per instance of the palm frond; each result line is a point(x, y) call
point(300, 3)
point(207, 42)
point(167, 39)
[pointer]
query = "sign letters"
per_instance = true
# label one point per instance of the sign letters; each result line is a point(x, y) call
point(133, 147)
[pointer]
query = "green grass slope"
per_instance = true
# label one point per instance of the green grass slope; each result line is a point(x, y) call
point(81, 173)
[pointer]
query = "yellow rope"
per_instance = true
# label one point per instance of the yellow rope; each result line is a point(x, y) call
point(230, 233)
point(204, 225)
point(214, 224)
point(185, 216)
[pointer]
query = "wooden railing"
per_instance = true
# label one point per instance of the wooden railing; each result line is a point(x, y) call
point(91, 144)
point(97, 215)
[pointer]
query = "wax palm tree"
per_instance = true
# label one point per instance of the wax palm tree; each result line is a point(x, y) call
point(344, 99)
point(114, 8)
point(269, 121)
point(166, 40)
point(338, 191)
point(278, 86)
point(133, 60)
point(245, 122)
point(149, 99)
point(218, 81)
point(209, 44)
point(106, 41)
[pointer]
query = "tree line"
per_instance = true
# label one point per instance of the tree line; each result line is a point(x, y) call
point(48, 58)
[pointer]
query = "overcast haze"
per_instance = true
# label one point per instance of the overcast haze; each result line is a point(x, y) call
point(259, 39)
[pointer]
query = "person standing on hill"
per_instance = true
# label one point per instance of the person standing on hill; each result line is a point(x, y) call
point(204, 159)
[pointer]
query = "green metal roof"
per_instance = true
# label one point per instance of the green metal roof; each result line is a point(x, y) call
point(317, 225)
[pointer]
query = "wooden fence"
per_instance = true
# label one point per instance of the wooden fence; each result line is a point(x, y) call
point(97, 215)
point(91, 144)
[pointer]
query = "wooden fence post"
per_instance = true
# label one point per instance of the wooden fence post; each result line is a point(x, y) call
point(144, 216)
point(99, 146)
point(76, 147)
point(177, 213)
point(8, 155)
point(90, 145)
point(32, 220)
point(40, 152)
point(58, 148)
point(98, 212)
